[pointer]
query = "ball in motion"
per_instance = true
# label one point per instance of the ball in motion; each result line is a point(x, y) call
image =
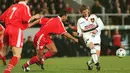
point(121, 53)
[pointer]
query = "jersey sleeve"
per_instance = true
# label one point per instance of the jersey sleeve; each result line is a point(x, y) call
point(79, 29)
point(61, 28)
point(27, 15)
point(43, 21)
point(100, 24)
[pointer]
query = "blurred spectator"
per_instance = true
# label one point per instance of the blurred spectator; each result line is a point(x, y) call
point(3, 7)
point(33, 12)
point(107, 5)
point(53, 11)
point(127, 18)
point(52, 7)
point(38, 9)
point(128, 2)
point(105, 43)
point(116, 39)
point(72, 44)
point(117, 8)
point(60, 7)
point(68, 8)
point(123, 6)
point(116, 20)
point(45, 9)
point(35, 3)
point(96, 8)
point(28, 48)
point(0, 12)
point(61, 49)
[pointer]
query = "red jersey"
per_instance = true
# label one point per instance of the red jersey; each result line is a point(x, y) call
point(51, 26)
point(18, 15)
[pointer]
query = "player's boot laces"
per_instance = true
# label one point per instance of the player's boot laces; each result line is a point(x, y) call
point(89, 67)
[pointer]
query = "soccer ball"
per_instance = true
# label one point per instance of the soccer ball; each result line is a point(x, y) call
point(121, 53)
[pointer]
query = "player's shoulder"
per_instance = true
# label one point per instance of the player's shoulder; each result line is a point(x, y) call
point(81, 19)
point(93, 16)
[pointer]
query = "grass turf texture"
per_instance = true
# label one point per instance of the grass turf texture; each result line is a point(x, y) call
point(109, 64)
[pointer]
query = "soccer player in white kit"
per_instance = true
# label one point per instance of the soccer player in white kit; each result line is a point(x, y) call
point(89, 27)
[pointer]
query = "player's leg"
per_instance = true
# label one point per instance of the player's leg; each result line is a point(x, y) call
point(14, 60)
point(35, 59)
point(89, 64)
point(52, 50)
point(39, 42)
point(91, 61)
point(98, 54)
point(93, 52)
point(3, 52)
point(15, 37)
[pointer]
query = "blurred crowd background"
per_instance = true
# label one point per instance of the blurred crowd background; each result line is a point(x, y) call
point(112, 12)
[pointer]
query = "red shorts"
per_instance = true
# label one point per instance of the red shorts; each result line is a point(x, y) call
point(40, 41)
point(13, 36)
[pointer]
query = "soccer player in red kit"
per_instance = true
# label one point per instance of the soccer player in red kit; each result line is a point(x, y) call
point(42, 38)
point(16, 18)
point(1, 42)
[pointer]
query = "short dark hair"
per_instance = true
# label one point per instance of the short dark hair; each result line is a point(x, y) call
point(16, 1)
point(62, 13)
point(83, 7)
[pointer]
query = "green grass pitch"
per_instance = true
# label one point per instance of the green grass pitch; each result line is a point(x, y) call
point(109, 64)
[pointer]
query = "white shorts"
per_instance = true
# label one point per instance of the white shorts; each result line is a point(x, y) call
point(89, 38)
point(97, 47)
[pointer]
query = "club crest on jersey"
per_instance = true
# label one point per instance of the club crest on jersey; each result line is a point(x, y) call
point(92, 20)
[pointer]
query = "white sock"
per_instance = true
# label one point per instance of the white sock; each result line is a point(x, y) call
point(90, 62)
point(94, 55)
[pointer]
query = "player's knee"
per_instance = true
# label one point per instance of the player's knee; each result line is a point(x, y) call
point(18, 56)
point(93, 51)
point(54, 51)
point(91, 45)
point(40, 54)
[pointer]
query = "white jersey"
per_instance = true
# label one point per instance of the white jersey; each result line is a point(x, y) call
point(85, 27)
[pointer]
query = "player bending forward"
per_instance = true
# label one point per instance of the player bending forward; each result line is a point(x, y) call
point(89, 27)
point(42, 39)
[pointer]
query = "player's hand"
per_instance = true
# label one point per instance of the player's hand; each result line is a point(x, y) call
point(94, 31)
point(37, 16)
point(75, 33)
point(76, 40)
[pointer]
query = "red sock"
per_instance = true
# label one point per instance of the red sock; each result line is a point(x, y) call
point(48, 54)
point(33, 60)
point(11, 65)
point(41, 61)
point(3, 59)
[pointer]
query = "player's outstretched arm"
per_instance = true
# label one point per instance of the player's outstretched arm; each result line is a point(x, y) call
point(33, 23)
point(70, 36)
point(37, 16)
